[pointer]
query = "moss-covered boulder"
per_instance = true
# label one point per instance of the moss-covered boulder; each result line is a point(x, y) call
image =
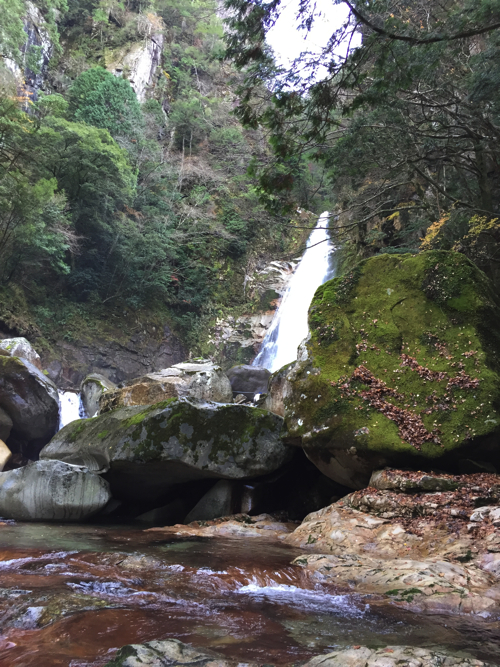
point(147, 450)
point(402, 368)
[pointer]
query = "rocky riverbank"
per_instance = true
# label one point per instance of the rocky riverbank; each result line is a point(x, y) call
point(370, 465)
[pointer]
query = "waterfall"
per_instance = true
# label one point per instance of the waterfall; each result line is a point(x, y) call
point(289, 326)
point(71, 407)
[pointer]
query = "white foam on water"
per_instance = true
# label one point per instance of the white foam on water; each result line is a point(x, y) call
point(300, 597)
point(19, 562)
point(289, 326)
point(71, 408)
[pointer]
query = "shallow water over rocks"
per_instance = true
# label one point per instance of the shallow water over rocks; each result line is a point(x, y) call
point(71, 595)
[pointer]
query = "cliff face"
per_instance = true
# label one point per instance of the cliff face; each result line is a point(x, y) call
point(30, 77)
point(138, 61)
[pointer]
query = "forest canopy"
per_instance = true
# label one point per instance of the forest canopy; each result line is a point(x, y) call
point(406, 124)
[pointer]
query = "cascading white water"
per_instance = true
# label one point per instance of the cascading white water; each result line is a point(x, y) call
point(289, 326)
point(71, 407)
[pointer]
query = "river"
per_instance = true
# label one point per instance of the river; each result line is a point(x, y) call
point(70, 595)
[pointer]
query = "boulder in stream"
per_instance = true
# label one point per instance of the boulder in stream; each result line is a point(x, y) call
point(169, 652)
point(51, 491)
point(402, 368)
point(29, 398)
point(92, 388)
point(200, 381)
point(147, 450)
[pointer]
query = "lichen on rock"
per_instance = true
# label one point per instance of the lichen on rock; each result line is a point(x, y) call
point(148, 449)
point(402, 367)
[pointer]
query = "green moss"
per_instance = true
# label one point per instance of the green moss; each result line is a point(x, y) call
point(141, 416)
point(438, 309)
point(175, 429)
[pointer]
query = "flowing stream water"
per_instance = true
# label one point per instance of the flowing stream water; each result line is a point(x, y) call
point(289, 326)
point(71, 595)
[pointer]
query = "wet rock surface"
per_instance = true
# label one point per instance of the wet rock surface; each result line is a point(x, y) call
point(391, 656)
point(147, 450)
point(241, 525)
point(436, 551)
point(170, 652)
point(51, 491)
point(197, 381)
point(173, 652)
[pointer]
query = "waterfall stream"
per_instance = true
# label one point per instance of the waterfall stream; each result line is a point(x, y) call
point(289, 326)
point(71, 407)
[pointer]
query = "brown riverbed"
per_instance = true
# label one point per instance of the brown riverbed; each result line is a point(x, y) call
point(71, 595)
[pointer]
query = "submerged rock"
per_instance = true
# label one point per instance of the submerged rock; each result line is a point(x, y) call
point(92, 388)
point(174, 653)
point(197, 381)
point(402, 368)
point(147, 450)
point(51, 491)
point(29, 398)
point(392, 656)
point(169, 652)
point(262, 526)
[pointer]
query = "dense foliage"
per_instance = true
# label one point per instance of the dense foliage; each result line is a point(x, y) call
point(109, 203)
point(406, 124)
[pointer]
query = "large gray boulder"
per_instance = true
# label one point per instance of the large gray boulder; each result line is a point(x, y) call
point(203, 381)
point(248, 380)
point(20, 347)
point(51, 491)
point(92, 388)
point(29, 398)
point(149, 449)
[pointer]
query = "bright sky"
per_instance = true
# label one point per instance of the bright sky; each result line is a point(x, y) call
point(288, 42)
